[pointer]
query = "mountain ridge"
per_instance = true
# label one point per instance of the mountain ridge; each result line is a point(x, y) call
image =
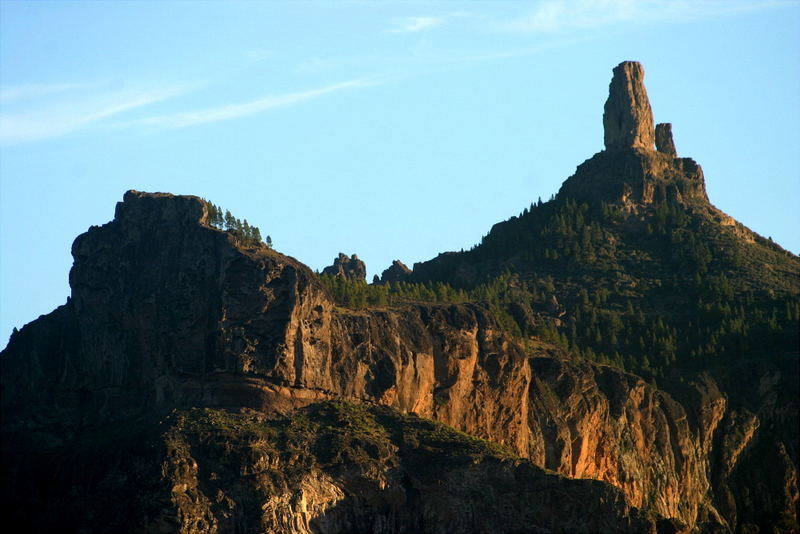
point(168, 313)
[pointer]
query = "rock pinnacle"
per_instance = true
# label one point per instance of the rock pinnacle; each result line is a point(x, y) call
point(664, 142)
point(627, 117)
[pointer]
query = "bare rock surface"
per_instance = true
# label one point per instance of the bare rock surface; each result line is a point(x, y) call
point(167, 312)
point(627, 117)
point(629, 172)
point(664, 142)
point(396, 272)
point(637, 178)
point(169, 315)
point(350, 268)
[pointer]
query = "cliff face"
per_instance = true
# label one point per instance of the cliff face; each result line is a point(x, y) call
point(635, 178)
point(627, 117)
point(168, 312)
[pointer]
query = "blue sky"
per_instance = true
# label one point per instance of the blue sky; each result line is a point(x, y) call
point(395, 130)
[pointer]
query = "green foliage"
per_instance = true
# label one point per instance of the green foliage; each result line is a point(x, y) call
point(247, 235)
point(646, 292)
point(358, 294)
point(332, 432)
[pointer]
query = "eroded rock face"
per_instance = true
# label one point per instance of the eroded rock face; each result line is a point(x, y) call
point(350, 268)
point(629, 172)
point(664, 142)
point(167, 312)
point(627, 117)
point(635, 179)
point(397, 272)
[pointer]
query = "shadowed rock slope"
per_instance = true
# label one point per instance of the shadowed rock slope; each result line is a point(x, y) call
point(168, 312)
point(333, 467)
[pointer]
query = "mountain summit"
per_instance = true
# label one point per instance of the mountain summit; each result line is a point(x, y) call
point(640, 164)
point(627, 117)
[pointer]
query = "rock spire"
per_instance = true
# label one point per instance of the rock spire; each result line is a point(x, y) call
point(664, 142)
point(627, 117)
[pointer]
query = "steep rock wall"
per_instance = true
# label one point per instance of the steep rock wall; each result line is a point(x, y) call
point(168, 312)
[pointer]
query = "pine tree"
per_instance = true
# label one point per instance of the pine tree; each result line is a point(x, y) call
point(212, 213)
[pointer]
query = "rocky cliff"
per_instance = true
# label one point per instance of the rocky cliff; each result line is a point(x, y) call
point(627, 117)
point(634, 223)
point(169, 314)
point(630, 171)
point(350, 268)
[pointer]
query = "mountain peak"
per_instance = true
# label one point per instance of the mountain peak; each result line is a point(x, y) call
point(631, 171)
point(627, 116)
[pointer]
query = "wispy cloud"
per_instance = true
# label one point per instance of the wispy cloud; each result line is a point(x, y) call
point(60, 118)
point(558, 15)
point(234, 111)
point(416, 24)
point(35, 90)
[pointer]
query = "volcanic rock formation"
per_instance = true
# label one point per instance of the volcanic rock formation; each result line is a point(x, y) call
point(193, 380)
point(349, 268)
point(396, 272)
point(167, 312)
point(664, 142)
point(627, 117)
point(652, 221)
point(629, 172)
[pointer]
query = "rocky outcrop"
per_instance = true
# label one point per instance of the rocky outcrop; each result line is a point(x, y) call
point(629, 172)
point(350, 268)
point(664, 142)
point(397, 272)
point(635, 179)
point(167, 312)
point(627, 117)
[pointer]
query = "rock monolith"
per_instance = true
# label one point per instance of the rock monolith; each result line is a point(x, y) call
point(664, 142)
point(627, 117)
